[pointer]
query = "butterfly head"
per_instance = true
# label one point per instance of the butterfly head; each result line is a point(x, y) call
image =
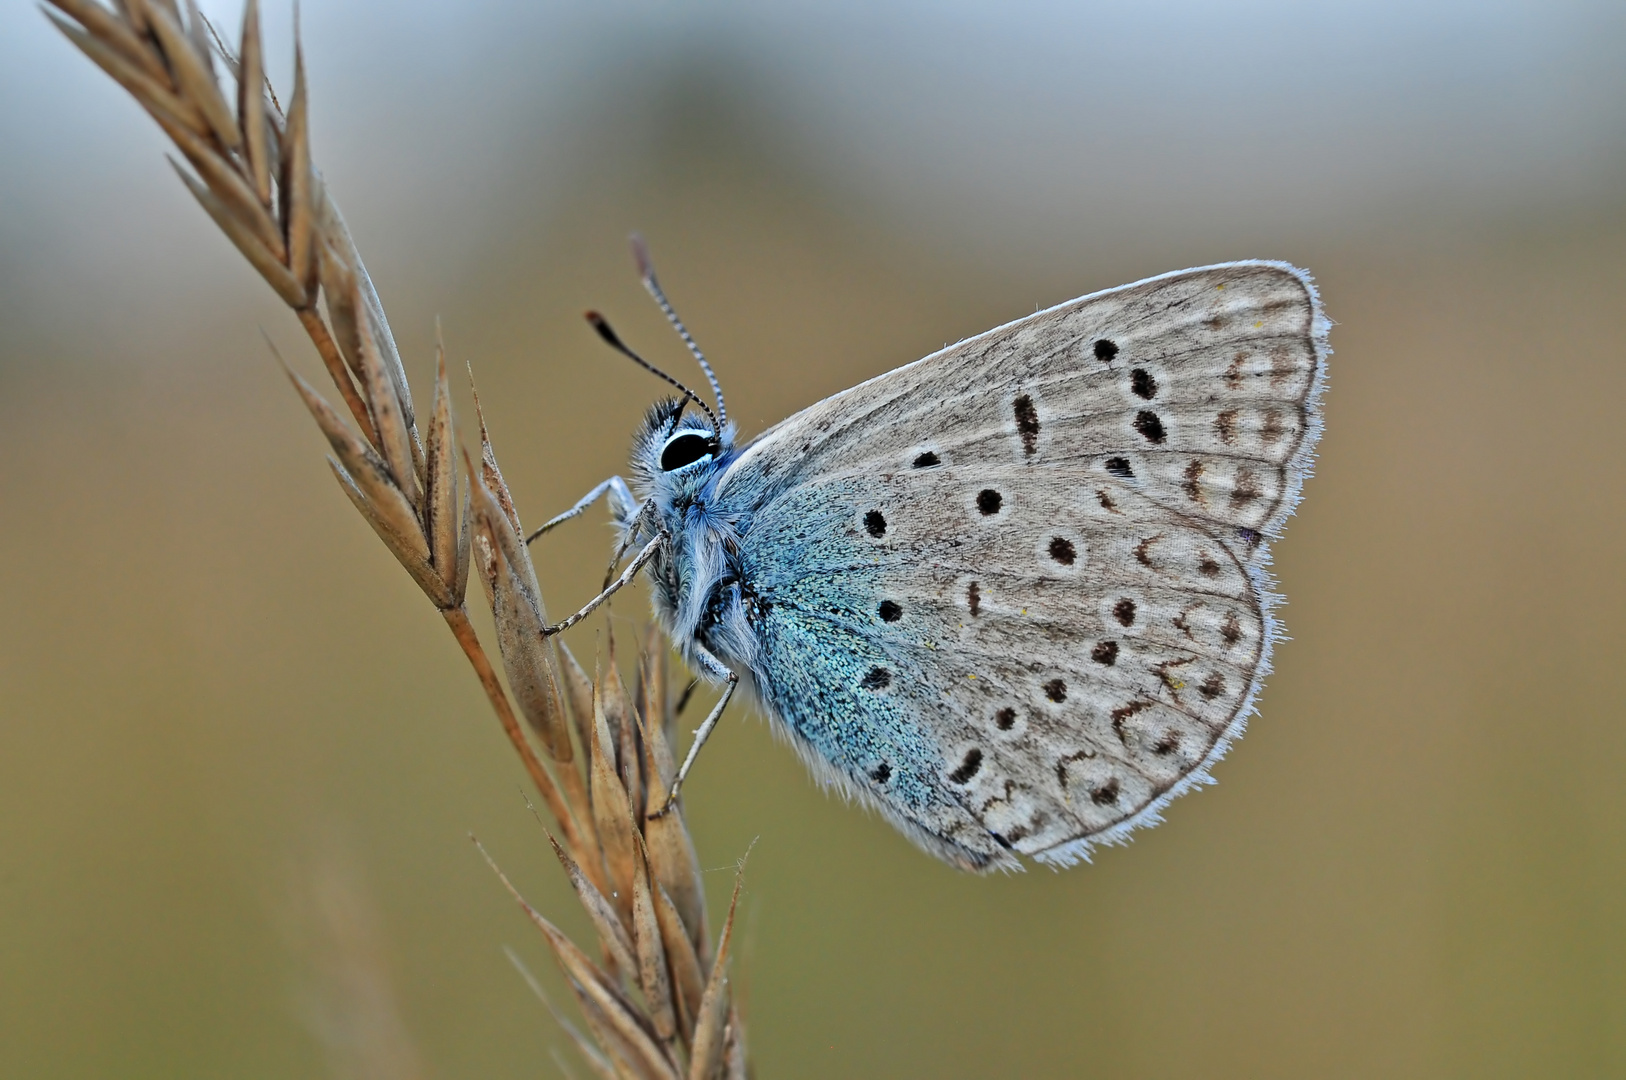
point(675, 452)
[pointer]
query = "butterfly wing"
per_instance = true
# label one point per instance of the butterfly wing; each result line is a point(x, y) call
point(1014, 593)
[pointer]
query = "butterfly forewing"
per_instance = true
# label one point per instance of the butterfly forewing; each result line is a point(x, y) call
point(1049, 540)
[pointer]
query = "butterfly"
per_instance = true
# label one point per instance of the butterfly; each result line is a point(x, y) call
point(1014, 595)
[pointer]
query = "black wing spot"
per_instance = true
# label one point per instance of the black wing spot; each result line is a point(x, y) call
point(1142, 383)
point(1168, 744)
point(1056, 690)
point(875, 524)
point(1105, 350)
point(889, 611)
point(1062, 550)
point(1212, 687)
point(1005, 719)
point(1027, 424)
point(1119, 467)
point(1149, 425)
point(989, 501)
point(1106, 793)
point(881, 773)
point(1124, 612)
point(968, 768)
point(1105, 653)
point(879, 678)
point(927, 460)
point(973, 598)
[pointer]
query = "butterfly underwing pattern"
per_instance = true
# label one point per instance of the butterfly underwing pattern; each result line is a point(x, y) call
point(1013, 595)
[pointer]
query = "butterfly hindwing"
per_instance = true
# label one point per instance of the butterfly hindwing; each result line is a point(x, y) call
point(846, 688)
point(1012, 593)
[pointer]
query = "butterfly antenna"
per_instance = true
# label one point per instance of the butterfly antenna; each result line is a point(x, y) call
point(613, 340)
point(646, 270)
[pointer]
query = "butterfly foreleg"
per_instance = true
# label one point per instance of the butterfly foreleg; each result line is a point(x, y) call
point(717, 669)
point(632, 525)
point(613, 587)
point(621, 505)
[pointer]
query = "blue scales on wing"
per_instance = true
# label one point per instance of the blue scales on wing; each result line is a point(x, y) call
point(850, 696)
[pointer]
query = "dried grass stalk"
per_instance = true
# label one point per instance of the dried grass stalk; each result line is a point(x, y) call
point(654, 975)
point(653, 991)
point(660, 1007)
point(612, 810)
point(579, 692)
point(516, 598)
point(251, 106)
point(618, 946)
point(672, 859)
point(595, 1058)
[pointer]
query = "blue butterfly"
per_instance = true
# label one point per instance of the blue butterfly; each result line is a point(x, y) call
point(1014, 595)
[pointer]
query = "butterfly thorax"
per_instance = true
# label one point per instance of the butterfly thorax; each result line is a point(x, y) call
point(696, 582)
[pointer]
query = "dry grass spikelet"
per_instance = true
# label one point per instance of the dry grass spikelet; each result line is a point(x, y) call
point(656, 1000)
point(654, 1007)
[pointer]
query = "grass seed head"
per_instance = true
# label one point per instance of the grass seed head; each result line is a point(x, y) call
point(662, 1009)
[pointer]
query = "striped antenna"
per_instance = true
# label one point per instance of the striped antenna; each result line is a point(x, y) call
point(646, 270)
point(613, 340)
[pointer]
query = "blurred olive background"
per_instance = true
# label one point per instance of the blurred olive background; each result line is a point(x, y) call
point(239, 755)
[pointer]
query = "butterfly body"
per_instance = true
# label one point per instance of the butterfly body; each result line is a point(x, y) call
point(1014, 594)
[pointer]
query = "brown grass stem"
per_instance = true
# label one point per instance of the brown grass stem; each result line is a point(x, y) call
point(463, 630)
point(328, 350)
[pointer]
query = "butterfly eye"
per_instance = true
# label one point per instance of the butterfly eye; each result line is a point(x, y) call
point(684, 448)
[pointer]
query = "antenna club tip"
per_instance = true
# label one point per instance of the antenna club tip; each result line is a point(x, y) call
point(602, 325)
point(640, 254)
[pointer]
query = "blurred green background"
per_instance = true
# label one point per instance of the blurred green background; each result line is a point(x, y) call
point(239, 756)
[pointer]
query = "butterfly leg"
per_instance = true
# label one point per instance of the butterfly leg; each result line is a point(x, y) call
point(716, 668)
point(612, 588)
point(621, 505)
point(632, 524)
